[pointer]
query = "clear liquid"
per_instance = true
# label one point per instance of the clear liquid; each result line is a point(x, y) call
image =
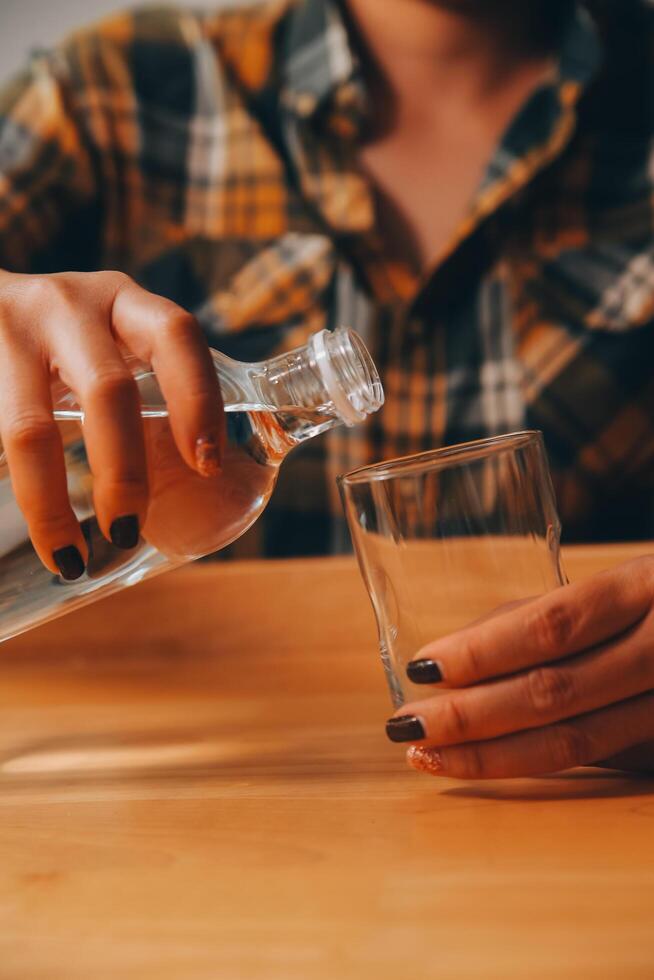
point(188, 515)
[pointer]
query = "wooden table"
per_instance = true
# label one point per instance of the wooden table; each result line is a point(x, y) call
point(195, 783)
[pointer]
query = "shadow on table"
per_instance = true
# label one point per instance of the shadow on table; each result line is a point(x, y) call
point(575, 785)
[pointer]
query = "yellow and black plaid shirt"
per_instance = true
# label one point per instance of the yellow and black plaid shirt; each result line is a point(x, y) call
point(213, 157)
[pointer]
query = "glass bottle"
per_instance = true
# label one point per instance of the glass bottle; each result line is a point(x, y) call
point(270, 407)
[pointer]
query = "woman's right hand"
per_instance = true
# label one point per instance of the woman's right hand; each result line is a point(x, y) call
point(69, 326)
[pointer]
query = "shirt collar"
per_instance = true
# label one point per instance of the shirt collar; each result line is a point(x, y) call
point(318, 60)
point(547, 122)
point(580, 52)
point(318, 63)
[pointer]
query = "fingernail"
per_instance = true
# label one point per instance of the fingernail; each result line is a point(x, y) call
point(424, 672)
point(69, 562)
point(425, 760)
point(124, 532)
point(206, 456)
point(406, 728)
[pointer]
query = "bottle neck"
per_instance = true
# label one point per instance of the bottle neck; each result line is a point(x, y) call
point(331, 381)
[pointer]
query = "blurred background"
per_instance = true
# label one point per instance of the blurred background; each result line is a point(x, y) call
point(28, 24)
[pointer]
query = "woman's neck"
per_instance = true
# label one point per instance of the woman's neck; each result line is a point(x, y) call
point(468, 49)
point(444, 85)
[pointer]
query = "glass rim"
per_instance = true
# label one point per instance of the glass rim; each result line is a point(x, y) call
point(446, 456)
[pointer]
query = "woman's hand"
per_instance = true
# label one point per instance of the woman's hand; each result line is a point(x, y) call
point(69, 327)
point(564, 680)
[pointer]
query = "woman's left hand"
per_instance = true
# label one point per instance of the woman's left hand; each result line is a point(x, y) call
point(564, 680)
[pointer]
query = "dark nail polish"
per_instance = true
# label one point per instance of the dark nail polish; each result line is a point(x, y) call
point(424, 672)
point(124, 532)
point(69, 562)
point(407, 728)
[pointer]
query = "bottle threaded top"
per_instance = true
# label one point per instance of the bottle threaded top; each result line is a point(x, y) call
point(348, 373)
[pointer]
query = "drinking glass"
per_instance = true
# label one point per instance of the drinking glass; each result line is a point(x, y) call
point(447, 537)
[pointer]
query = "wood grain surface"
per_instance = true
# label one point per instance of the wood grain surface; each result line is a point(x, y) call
point(195, 783)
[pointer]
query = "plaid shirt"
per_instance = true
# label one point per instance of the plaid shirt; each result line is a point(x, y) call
point(213, 157)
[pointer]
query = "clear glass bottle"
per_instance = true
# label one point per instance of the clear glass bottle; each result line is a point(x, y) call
point(270, 407)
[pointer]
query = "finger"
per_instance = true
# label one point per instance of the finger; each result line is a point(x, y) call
point(579, 742)
point(162, 334)
point(34, 451)
point(90, 363)
point(425, 670)
point(575, 686)
point(559, 624)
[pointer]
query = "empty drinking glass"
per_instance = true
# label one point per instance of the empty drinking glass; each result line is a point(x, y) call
point(446, 537)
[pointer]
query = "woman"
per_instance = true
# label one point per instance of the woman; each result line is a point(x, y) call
point(468, 183)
